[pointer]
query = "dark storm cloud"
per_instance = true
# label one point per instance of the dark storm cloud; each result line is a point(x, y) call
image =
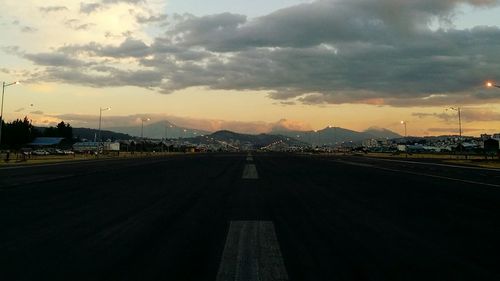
point(328, 51)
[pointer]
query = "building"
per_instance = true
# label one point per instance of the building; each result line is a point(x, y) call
point(43, 142)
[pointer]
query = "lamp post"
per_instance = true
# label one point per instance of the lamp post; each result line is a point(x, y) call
point(100, 120)
point(406, 137)
point(4, 85)
point(405, 124)
point(459, 110)
point(142, 125)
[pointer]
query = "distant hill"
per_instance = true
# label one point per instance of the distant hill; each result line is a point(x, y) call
point(256, 141)
point(382, 133)
point(90, 134)
point(327, 136)
point(159, 130)
point(337, 135)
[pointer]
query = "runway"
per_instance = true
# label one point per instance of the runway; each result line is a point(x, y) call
point(249, 217)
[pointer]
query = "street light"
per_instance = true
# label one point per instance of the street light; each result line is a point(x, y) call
point(100, 120)
point(142, 125)
point(405, 123)
point(4, 85)
point(459, 110)
point(491, 85)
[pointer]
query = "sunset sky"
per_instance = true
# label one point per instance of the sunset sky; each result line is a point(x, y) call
point(249, 65)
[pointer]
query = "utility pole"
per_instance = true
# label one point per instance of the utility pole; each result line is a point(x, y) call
point(4, 85)
point(459, 110)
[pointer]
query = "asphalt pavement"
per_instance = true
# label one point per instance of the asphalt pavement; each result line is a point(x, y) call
point(249, 217)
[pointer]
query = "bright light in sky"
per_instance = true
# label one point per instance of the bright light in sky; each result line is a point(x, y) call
point(252, 65)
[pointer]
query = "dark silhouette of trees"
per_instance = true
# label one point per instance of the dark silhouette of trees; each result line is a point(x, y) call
point(18, 133)
point(65, 130)
point(62, 130)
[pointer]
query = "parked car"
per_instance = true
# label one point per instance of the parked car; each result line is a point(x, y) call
point(68, 152)
point(40, 152)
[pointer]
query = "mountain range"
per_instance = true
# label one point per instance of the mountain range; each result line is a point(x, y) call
point(256, 141)
point(166, 129)
point(337, 135)
point(160, 130)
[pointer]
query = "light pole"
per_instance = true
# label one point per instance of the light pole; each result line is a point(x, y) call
point(4, 85)
point(459, 110)
point(406, 137)
point(405, 123)
point(100, 120)
point(142, 125)
point(331, 127)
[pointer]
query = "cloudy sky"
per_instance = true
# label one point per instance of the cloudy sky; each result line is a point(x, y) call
point(247, 65)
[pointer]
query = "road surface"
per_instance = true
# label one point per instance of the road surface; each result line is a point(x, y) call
point(241, 217)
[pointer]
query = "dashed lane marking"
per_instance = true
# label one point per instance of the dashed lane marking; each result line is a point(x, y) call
point(250, 172)
point(252, 253)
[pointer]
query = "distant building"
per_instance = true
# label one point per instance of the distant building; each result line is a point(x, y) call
point(43, 142)
point(375, 143)
point(89, 146)
point(95, 146)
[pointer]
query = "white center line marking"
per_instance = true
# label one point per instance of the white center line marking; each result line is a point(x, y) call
point(252, 253)
point(250, 172)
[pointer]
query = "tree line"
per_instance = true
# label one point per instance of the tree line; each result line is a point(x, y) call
point(21, 132)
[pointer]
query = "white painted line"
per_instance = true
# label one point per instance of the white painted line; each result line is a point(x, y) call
point(252, 253)
point(419, 174)
point(250, 172)
point(436, 164)
point(441, 177)
point(354, 163)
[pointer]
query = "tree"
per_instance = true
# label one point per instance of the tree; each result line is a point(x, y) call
point(65, 130)
point(18, 133)
point(62, 130)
